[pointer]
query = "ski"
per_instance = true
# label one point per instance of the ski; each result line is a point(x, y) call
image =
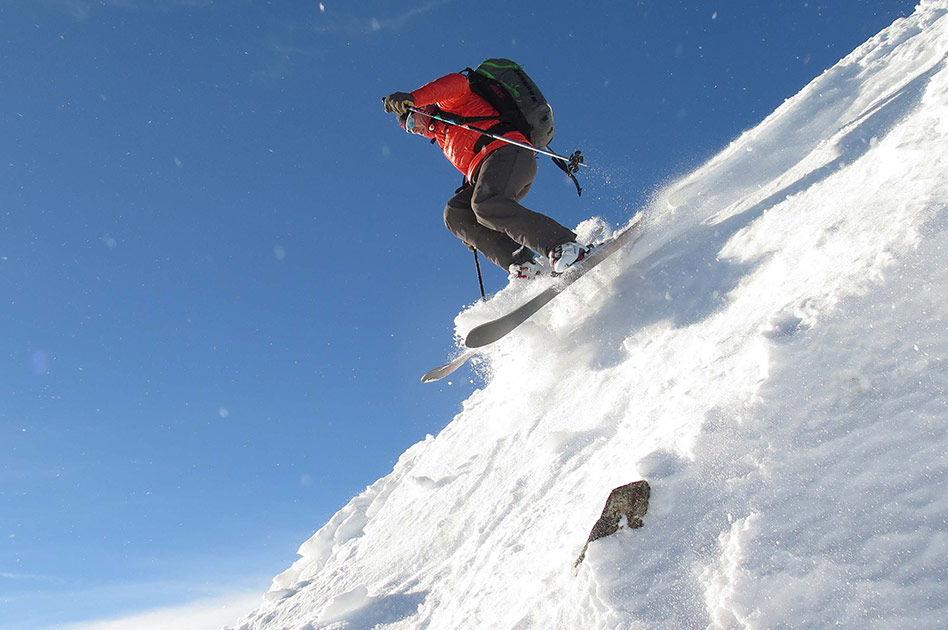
point(448, 368)
point(491, 331)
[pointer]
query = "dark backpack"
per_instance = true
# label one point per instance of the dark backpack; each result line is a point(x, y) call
point(505, 85)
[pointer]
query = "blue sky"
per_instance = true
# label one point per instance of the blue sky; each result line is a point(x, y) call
point(224, 269)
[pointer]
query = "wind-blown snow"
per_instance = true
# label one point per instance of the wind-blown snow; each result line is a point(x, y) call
point(771, 355)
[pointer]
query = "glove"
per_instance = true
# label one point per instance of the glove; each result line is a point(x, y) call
point(398, 102)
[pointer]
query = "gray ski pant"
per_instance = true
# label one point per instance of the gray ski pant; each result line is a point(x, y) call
point(489, 217)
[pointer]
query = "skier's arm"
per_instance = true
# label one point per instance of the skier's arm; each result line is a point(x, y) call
point(446, 88)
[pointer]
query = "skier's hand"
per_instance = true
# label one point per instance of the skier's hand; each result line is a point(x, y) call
point(398, 103)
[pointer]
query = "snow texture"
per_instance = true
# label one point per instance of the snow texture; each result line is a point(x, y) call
point(771, 355)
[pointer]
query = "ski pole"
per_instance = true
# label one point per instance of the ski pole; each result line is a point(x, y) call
point(480, 278)
point(574, 161)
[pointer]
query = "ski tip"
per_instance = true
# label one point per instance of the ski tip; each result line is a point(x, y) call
point(447, 369)
point(436, 374)
point(479, 337)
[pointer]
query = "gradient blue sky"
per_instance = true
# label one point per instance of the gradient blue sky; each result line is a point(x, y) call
point(223, 268)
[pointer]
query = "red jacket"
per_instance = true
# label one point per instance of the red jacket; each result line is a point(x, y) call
point(452, 94)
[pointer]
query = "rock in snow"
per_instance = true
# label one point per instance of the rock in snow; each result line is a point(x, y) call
point(788, 405)
point(625, 507)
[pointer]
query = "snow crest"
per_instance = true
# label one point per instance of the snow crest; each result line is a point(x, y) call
point(771, 355)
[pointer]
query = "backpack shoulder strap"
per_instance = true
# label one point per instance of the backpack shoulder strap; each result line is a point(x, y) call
point(499, 129)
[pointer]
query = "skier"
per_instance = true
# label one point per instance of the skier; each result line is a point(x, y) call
point(485, 212)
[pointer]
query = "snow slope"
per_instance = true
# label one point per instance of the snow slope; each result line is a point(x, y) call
point(772, 356)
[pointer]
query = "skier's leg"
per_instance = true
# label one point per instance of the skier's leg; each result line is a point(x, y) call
point(497, 247)
point(503, 179)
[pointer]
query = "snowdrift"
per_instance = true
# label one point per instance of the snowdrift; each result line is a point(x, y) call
point(771, 355)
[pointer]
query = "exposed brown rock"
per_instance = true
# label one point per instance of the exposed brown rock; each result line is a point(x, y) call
point(630, 501)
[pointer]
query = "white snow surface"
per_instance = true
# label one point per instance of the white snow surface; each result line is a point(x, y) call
point(771, 355)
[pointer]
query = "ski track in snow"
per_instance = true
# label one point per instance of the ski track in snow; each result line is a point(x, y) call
point(770, 356)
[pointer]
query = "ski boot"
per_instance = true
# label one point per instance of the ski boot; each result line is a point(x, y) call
point(525, 271)
point(568, 254)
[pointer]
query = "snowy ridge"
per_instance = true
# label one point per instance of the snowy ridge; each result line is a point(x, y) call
point(771, 355)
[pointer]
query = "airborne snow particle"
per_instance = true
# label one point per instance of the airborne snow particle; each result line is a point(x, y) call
point(279, 253)
point(223, 412)
point(322, 8)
